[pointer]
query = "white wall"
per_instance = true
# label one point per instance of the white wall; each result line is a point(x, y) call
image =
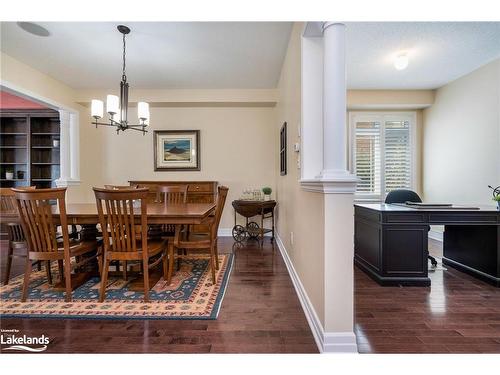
point(237, 149)
point(461, 139)
point(299, 212)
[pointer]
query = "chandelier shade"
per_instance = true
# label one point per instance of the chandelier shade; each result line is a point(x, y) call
point(117, 107)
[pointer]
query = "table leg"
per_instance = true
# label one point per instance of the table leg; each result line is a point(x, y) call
point(89, 232)
point(155, 231)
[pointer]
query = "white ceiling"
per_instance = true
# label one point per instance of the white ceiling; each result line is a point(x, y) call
point(247, 55)
point(439, 52)
point(185, 55)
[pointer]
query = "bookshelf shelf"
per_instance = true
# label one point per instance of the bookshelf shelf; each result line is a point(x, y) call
point(26, 147)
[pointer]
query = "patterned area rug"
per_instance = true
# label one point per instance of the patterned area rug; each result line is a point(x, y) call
point(191, 295)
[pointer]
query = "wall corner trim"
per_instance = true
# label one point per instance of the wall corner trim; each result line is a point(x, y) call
point(327, 342)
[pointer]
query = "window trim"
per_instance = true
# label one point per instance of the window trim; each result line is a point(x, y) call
point(383, 116)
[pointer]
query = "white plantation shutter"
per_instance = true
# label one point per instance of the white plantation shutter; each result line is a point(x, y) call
point(368, 162)
point(397, 160)
point(382, 155)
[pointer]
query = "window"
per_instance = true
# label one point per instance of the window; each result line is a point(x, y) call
point(382, 152)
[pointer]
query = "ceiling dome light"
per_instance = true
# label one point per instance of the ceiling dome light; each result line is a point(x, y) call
point(401, 61)
point(33, 28)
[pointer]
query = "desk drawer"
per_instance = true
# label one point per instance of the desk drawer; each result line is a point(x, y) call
point(464, 218)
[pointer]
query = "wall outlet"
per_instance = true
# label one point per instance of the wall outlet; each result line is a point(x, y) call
point(291, 238)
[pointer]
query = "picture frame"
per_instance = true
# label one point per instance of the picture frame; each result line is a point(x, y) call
point(176, 150)
point(283, 149)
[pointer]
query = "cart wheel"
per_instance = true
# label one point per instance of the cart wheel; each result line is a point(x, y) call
point(253, 230)
point(239, 233)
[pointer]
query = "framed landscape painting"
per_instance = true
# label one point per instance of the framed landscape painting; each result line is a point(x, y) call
point(177, 150)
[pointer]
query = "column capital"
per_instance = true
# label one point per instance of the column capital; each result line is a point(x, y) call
point(327, 24)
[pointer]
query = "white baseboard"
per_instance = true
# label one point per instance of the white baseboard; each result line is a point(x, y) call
point(327, 342)
point(436, 235)
point(228, 232)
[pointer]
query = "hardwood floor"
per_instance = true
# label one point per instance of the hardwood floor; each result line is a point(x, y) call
point(457, 314)
point(260, 314)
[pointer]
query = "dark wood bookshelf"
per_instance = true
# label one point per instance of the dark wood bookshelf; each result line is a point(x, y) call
point(27, 147)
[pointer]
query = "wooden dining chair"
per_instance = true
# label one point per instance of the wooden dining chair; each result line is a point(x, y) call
point(171, 195)
point(123, 187)
point(121, 240)
point(15, 234)
point(44, 244)
point(196, 241)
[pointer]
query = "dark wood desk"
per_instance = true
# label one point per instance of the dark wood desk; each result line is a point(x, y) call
point(390, 242)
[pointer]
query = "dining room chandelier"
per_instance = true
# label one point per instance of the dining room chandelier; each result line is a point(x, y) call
point(117, 108)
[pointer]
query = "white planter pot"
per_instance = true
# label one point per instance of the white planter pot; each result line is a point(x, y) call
point(9, 175)
point(267, 197)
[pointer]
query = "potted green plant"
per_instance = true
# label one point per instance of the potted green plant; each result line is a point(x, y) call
point(496, 195)
point(267, 193)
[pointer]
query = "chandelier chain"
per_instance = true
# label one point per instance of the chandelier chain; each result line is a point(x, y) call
point(124, 51)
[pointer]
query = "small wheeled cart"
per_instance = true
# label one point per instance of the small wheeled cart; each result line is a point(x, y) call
point(250, 209)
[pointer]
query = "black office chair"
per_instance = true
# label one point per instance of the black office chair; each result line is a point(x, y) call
point(402, 196)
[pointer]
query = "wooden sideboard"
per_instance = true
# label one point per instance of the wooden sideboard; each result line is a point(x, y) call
point(198, 191)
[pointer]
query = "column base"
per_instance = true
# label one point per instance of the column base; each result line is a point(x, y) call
point(331, 182)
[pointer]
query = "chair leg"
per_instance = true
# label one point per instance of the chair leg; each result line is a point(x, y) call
point(124, 270)
point(27, 273)
point(39, 266)
point(145, 271)
point(99, 262)
point(212, 262)
point(67, 278)
point(104, 280)
point(60, 269)
point(9, 264)
point(48, 272)
point(216, 256)
point(170, 262)
point(433, 260)
point(165, 265)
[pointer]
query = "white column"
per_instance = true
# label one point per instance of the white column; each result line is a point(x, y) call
point(64, 144)
point(69, 148)
point(74, 131)
point(339, 186)
point(334, 102)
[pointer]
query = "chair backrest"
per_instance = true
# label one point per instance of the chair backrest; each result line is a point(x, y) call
point(35, 212)
point(221, 200)
point(402, 196)
point(121, 187)
point(172, 194)
point(8, 206)
point(116, 213)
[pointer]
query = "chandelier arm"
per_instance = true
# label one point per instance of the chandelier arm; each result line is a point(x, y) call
point(105, 124)
point(138, 130)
